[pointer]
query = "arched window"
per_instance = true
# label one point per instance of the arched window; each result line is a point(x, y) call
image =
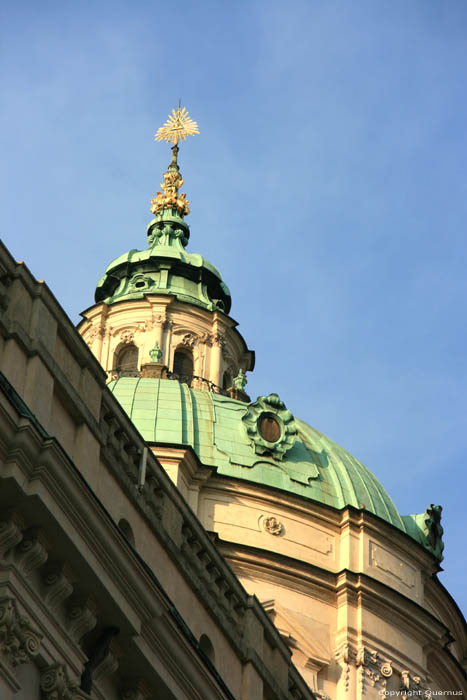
point(227, 380)
point(127, 360)
point(183, 363)
point(206, 647)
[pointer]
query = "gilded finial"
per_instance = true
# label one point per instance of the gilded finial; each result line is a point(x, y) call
point(178, 126)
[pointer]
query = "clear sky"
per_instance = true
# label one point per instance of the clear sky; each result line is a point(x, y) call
point(328, 184)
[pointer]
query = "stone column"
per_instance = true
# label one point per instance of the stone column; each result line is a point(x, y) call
point(216, 358)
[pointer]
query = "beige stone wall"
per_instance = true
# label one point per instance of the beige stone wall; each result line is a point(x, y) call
point(356, 600)
point(70, 471)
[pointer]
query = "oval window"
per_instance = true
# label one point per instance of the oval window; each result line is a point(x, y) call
point(269, 428)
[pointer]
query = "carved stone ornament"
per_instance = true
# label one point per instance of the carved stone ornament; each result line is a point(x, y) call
point(57, 582)
point(218, 339)
point(205, 338)
point(270, 426)
point(57, 685)
point(19, 641)
point(273, 525)
point(346, 655)
point(31, 552)
point(91, 335)
point(189, 340)
point(81, 616)
point(374, 669)
point(127, 336)
point(11, 527)
point(411, 686)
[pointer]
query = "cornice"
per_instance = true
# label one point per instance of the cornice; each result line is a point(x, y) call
point(55, 481)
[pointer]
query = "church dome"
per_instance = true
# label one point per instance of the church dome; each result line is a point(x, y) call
point(260, 442)
point(165, 268)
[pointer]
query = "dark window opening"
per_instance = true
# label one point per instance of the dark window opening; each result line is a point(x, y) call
point(127, 359)
point(183, 363)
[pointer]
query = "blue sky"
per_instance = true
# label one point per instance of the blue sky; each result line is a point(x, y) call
point(328, 184)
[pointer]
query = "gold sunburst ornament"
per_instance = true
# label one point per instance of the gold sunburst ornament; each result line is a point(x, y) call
point(177, 127)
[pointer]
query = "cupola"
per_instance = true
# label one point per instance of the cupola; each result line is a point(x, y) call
point(162, 312)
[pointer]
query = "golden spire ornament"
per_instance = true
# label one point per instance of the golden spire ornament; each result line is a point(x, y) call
point(177, 127)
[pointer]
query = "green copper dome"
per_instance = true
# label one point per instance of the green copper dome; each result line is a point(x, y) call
point(262, 442)
point(165, 268)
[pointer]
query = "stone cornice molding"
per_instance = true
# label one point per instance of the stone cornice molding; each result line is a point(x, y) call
point(327, 586)
point(58, 481)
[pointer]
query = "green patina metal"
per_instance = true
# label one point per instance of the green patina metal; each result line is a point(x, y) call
point(156, 353)
point(218, 428)
point(426, 528)
point(270, 407)
point(165, 268)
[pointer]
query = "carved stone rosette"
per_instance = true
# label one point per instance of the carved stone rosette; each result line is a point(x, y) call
point(272, 525)
point(19, 641)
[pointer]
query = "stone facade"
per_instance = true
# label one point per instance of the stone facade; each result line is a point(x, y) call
point(110, 587)
point(357, 601)
point(136, 570)
point(211, 338)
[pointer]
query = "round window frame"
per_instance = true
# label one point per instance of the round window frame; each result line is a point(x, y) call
point(276, 418)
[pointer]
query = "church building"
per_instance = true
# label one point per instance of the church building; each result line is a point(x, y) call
point(163, 535)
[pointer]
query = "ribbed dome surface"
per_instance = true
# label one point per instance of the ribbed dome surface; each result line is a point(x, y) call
point(165, 411)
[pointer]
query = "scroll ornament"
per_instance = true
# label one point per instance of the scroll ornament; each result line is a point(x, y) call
point(19, 641)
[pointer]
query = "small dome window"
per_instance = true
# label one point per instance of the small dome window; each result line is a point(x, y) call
point(127, 359)
point(183, 363)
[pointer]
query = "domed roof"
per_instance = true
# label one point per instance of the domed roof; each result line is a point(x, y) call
point(165, 268)
point(228, 435)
